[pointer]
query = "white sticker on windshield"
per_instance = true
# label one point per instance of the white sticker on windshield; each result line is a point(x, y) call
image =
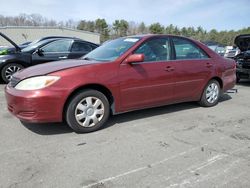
point(131, 40)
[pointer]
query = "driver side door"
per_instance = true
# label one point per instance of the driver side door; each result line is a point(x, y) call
point(53, 51)
point(151, 82)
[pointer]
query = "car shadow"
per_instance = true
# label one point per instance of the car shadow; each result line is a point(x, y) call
point(48, 128)
point(63, 128)
point(141, 114)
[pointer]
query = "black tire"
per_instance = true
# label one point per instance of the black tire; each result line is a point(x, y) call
point(237, 78)
point(78, 105)
point(210, 101)
point(8, 70)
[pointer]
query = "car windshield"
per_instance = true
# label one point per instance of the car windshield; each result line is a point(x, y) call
point(34, 45)
point(111, 50)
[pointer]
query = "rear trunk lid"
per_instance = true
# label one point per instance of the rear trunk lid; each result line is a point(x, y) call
point(243, 42)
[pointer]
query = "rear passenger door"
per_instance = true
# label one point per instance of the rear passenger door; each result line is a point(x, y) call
point(192, 69)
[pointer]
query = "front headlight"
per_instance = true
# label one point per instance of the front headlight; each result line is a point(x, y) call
point(37, 82)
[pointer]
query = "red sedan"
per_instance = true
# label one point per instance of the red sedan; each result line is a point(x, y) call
point(122, 75)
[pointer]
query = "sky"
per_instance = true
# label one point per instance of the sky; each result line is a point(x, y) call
point(210, 14)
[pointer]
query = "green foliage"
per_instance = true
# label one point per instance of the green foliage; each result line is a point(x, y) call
point(86, 25)
point(156, 28)
point(142, 29)
point(4, 52)
point(101, 27)
point(122, 28)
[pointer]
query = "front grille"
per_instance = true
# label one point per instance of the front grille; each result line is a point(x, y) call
point(13, 81)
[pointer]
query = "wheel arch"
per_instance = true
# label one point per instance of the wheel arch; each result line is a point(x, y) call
point(97, 87)
point(14, 61)
point(218, 79)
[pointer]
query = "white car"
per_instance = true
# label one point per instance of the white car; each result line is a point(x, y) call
point(231, 52)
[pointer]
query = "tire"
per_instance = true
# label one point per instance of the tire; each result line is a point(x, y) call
point(237, 78)
point(92, 109)
point(8, 70)
point(211, 94)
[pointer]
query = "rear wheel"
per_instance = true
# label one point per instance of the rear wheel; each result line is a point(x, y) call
point(87, 111)
point(211, 94)
point(8, 70)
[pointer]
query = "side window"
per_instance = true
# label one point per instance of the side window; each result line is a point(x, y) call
point(81, 47)
point(93, 46)
point(185, 49)
point(155, 50)
point(58, 46)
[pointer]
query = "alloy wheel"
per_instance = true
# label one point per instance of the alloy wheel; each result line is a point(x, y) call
point(11, 70)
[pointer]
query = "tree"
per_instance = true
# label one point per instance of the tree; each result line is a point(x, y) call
point(142, 28)
point(101, 27)
point(156, 28)
point(120, 27)
point(123, 28)
point(170, 29)
point(184, 31)
point(81, 25)
point(213, 35)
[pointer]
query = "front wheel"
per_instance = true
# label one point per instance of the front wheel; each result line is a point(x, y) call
point(211, 94)
point(87, 111)
point(8, 70)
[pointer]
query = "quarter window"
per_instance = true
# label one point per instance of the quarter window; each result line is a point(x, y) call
point(185, 49)
point(155, 50)
point(58, 46)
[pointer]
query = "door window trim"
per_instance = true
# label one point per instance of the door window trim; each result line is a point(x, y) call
point(193, 43)
point(71, 42)
point(159, 61)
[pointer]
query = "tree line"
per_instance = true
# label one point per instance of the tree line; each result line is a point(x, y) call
point(122, 27)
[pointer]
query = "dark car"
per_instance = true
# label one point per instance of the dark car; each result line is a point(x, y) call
point(8, 49)
point(25, 44)
point(243, 59)
point(45, 50)
point(122, 75)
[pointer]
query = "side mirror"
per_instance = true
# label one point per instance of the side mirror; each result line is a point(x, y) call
point(135, 58)
point(39, 52)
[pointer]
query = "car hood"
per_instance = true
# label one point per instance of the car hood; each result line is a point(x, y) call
point(243, 42)
point(47, 68)
point(11, 41)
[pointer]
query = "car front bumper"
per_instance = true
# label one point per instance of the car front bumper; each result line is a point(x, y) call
point(243, 73)
point(36, 106)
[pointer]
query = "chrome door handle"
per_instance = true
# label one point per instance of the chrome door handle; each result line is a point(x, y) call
point(62, 57)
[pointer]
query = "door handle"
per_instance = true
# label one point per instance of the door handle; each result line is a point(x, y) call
point(62, 57)
point(208, 65)
point(169, 69)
